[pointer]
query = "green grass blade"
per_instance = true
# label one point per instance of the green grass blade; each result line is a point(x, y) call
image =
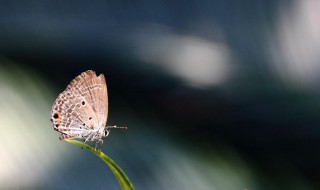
point(117, 171)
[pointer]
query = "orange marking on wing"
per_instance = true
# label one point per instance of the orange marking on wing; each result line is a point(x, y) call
point(59, 118)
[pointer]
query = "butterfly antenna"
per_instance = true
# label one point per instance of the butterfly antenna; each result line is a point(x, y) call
point(116, 127)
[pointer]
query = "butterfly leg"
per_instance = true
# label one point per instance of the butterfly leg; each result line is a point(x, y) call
point(98, 143)
point(87, 139)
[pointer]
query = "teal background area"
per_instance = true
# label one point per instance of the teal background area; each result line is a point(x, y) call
point(216, 95)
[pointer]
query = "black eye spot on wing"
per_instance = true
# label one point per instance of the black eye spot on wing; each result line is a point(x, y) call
point(83, 103)
point(90, 118)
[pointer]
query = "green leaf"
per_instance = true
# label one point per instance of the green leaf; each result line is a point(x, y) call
point(117, 171)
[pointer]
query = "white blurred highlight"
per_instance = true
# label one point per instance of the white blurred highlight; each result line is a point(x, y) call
point(296, 50)
point(28, 150)
point(199, 62)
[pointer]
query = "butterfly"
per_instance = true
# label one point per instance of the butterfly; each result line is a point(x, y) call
point(81, 110)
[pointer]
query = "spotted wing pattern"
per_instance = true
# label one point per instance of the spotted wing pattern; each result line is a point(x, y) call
point(82, 108)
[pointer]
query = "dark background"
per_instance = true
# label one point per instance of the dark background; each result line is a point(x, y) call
point(216, 94)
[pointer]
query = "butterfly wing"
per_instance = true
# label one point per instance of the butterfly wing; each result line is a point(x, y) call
point(94, 89)
point(72, 113)
point(97, 97)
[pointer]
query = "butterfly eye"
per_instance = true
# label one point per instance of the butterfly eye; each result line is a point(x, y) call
point(106, 132)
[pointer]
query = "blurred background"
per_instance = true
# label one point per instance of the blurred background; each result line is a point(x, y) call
point(219, 95)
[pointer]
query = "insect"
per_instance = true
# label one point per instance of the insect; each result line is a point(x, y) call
point(81, 110)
